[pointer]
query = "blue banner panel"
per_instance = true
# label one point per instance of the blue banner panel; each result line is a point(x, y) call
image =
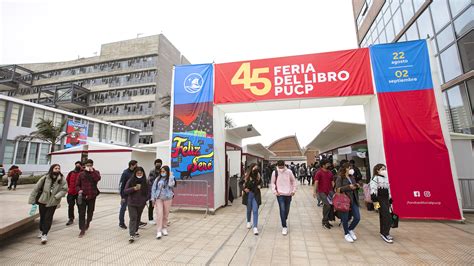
point(193, 84)
point(401, 66)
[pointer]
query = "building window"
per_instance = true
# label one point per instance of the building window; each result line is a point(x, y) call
point(398, 21)
point(9, 151)
point(445, 38)
point(450, 63)
point(58, 119)
point(458, 5)
point(44, 158)
point(407, 10)
point(33, 153)
point(21, 152)
point(27, 117)
point(424, 25)
point(412, 33)
point(48, 115)
point(464, 23)
point(96, 130)
point(440, 14)
point(470, 91)
point(3, 109)
point(39, 114)
point(461, 116)
point(90, 130)
point(14, 120)
point(466, 50)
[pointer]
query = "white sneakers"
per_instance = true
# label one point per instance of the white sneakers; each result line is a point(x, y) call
point(255, 231)
point(44, 239)
point(164, 231)
point(388, 239)
point(284, 231)
point(353, 235)
point(349, 238)
point(40, 234)
point(151, 222)
point(159, 235)
point(249, 225)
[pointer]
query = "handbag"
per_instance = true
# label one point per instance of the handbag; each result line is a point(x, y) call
point(38, 195)
point(341, 202)
point(367, 196)
point(395, 219)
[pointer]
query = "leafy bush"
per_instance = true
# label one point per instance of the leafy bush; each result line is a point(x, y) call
point(24, 180)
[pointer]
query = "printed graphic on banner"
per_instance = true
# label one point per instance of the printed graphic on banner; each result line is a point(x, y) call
point(192, 148)
point(77, 134)
point(342, 73)
point(411, 128)
point(401, 67)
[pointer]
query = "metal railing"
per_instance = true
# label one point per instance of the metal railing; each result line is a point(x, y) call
point(109, 183)
point(466, 185)
point(191, 194)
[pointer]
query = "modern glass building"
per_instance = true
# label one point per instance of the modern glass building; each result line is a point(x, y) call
point(448, 24)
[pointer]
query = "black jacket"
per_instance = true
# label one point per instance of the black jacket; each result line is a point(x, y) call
point(127, 173)
point(253, 187)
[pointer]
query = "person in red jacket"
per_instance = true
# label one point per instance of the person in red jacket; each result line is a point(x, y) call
point(86, 187)
point(71, 191)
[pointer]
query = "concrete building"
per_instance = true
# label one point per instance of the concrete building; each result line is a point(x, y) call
point(128, 83)
point(18, 117)
point(449, 27)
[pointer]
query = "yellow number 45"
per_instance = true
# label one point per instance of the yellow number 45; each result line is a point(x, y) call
point(249, 80)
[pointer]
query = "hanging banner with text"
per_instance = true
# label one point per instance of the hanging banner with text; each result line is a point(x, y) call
point(412, 132)
point(76, 134)
point(333, 74)
point(192, 148)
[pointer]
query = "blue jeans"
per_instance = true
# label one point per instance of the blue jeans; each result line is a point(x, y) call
point(284, 204)
point(123, 208)
point(252, 206)
point(355, 213)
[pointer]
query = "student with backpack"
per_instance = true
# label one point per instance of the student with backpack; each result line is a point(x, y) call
point(47, 193)
point(137, 192)
point(252, 197)
point(380, 192)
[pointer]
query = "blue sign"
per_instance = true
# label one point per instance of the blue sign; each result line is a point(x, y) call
point(191, 155)
point(401, 66)
point(193, 84)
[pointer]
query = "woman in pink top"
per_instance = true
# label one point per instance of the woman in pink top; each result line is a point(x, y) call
point(284, 187)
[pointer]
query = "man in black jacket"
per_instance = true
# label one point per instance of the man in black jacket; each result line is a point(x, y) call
point(127, 173)
point(154, 173)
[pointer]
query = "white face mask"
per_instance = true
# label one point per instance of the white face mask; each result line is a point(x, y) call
point(383, 172)
point(351, 171)
point(139, 176)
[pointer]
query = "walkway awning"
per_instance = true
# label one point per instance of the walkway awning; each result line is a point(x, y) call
point(260, 149)
point(243, 132)
point(338, 134)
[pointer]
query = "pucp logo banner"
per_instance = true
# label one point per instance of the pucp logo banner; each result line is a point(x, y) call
point(192, 151)
point(342, 73)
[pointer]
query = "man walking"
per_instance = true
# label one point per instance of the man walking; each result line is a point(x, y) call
point(154, 173)
point(86, 187)
point(283, 185)
point(71, 190)
point(127, 173)
point(323, 184)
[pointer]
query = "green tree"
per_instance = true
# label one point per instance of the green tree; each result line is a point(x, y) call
point(46, 131)
point(228, 122)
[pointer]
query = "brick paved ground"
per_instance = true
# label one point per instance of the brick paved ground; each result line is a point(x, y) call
point(222, 239)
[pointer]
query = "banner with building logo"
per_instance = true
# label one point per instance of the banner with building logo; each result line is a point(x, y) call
point(192, 147)
point(77, 134)
point(418, 161)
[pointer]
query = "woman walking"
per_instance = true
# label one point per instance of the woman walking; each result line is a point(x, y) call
point(380, 192)
point(162, 195)
point(137, 192)
point(14, 173)
point(47, 193)
point(252, 197)
point(345, 183)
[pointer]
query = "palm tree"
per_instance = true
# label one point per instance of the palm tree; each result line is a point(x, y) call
point(46, 131)
point(228, 122)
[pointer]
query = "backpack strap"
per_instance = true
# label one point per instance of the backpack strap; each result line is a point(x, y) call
point(276, 179)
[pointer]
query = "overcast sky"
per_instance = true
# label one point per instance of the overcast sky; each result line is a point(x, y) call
point(204, 31)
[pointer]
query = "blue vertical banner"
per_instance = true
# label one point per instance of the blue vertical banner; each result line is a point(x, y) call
point(192, 149)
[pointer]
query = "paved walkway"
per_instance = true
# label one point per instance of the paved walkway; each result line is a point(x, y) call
point(222, 239)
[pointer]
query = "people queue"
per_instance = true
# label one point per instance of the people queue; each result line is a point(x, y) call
point(81, 187)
